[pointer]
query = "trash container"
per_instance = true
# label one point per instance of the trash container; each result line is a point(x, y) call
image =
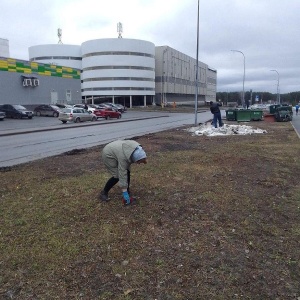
point(284, 114)
point(231, 115)
point(273, 108)
point(243, 115)
point(256, 114)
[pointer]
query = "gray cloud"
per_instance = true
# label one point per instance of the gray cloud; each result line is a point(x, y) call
point(266, 31)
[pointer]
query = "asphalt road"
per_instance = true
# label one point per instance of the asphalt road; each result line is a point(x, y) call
point(296, 123)
point(27, 140)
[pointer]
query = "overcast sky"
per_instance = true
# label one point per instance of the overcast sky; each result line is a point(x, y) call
point(266, 31)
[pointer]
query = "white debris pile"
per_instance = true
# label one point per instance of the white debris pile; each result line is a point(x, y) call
point(209, 130)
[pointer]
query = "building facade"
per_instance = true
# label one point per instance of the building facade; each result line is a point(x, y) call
point(121, 70)
point(126, 71)
point(56, 54)
point(32, 83)
point(4, 48)
point(175, 78)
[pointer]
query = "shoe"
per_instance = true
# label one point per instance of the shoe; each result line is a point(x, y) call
point(103, 196)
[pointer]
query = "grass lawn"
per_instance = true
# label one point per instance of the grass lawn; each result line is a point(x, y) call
point(216, 218)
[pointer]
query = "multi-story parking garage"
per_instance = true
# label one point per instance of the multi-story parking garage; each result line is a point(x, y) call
point(58, 54)
point(118, 69)
point(175, 74)
point(127, 71)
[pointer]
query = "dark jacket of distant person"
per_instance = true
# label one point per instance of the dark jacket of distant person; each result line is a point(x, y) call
point(214, 107)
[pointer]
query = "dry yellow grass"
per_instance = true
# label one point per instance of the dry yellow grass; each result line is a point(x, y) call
point(217, 218)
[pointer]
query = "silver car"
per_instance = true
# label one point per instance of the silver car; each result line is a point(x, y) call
point(76, 114)
point(47, 110)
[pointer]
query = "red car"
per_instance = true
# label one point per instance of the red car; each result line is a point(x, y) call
point(107, 113)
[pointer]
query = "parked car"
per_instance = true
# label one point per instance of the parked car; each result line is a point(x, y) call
point(76, 114)
point(114, 106)
point(61, 105)
point(89, 107)
point(16, 111)
point(121, 107)
point(107, 113)
point(2, 115)
point(47, 110)
point(103, 106)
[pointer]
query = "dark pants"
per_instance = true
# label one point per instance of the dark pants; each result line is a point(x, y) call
point(217, 118)
point(111, 182)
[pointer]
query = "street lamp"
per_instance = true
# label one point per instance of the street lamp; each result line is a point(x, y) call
point(243, 96)
point(197, 62)
point(278, 95)
point(163, 79)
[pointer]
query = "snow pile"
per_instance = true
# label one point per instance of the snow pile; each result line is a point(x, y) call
point(209, 130)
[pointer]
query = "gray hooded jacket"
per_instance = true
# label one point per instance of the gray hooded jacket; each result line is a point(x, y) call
point(117, 159)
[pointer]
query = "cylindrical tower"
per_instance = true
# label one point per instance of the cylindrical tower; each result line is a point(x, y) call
point(118, 68)
point(57, 54)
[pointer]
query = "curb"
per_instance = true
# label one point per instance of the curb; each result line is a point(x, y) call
point(295, 130)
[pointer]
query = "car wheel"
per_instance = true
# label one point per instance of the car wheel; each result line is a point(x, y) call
point(77, 120)
point(29, 118)
point(119, 116)
point(55, 114)
point(38, 113)
point(94, 119)
point(19, 116)
point(64, 122)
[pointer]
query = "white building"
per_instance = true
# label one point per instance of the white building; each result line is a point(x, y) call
point(4, 48)
point(119, 68)
point(131, 72)
point(56, 54)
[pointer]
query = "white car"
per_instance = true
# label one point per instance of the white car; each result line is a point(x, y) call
point(90, 108)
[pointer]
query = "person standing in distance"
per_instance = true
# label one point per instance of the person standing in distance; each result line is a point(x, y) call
point(118, 157)
point(215, 110)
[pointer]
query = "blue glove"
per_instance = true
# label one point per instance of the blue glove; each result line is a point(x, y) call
point(126, 198)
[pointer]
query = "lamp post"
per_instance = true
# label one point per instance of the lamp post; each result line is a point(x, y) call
point(163, 79)
point(197, 62)
point(278, 95)
point(243, 96)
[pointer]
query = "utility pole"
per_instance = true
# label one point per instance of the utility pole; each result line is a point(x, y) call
point(197, 63)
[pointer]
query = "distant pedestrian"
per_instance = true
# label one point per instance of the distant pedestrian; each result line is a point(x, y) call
point(247, 103)
point(297, 109)
point(86, 107)
point(215, 110)
point(118, 157)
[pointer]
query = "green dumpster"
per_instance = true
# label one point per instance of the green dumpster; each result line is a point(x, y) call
point(273, 108)
point(243, 115)
point(256, 114)
point(284, 113)
point(231, 115)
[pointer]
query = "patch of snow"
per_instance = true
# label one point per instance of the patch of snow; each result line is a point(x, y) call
point(209, 130)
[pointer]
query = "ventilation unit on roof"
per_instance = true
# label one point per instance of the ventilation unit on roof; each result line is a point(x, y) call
point(120, 29)
point(59, 34)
